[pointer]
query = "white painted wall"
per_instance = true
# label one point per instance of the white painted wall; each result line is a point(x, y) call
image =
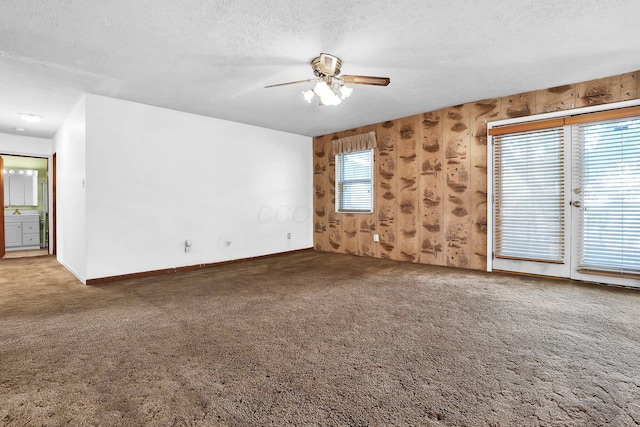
point(19, 145)
point(70, 147)
point(157, 177)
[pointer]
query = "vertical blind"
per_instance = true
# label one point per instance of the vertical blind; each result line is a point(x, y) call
point(529, 195)
point(607, 159)
point(354, 181)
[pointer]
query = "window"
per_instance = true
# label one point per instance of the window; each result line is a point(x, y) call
point(607, 160)
point(354, 181)
point(529, 195)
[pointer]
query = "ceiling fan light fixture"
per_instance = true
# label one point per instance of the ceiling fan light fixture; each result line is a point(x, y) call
point(345, 91)
point(308, 95)
point(323, 90)
point(329, 94)
point(330, 99)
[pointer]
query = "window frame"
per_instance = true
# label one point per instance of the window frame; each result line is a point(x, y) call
point(339, 183)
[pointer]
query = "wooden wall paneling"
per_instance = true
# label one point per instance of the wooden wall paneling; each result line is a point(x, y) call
point(457, 200)
point(349, 234)
point(450, 172)
point(366, 223)
point(333, 237)
point(385, 182)
point(557, 98)
point(431, 187)
point(629, 86)
point(408, 198)
point(523, 104)
point(366, 230)
point(599, 91)
point(320, 224)
point(481, 113)
point(345, 223)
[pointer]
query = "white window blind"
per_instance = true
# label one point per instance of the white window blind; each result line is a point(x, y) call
point(607, 157)
point(354, 181)
point(529, 195)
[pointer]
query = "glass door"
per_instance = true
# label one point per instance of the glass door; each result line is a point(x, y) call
point(566, 197)
point(606, 201)
point(531, 217)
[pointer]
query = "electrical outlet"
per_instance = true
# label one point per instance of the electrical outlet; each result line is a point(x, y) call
point(187, 246)
point(288, 236)
point(376, 237)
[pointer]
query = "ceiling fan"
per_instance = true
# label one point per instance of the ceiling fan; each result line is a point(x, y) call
point(331, 88)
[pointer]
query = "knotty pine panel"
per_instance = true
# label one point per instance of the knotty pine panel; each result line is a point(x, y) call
point(366, 230)
point(457, 200)
point(408, 173)
point(366, 223)
point(386, 189)
point(335, 235)
point(349, 233)
point(555, 99)
point(431, 184)
point(523, 104)
point(334, 226)
point(599, 91)
point(345, 223)
point(481, 113)
point(629, 86)
point(320, 165)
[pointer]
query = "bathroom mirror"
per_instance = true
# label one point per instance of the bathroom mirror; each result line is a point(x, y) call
point(20, 187)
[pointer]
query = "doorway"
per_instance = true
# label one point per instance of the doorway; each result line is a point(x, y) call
point(25, 199)
point(565, 197)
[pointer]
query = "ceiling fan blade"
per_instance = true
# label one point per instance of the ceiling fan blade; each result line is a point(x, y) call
point(367, 80)
point(291, 83)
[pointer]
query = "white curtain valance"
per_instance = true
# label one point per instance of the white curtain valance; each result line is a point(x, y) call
point(363, 141)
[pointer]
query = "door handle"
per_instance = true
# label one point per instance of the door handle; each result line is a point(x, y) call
point(576, 204)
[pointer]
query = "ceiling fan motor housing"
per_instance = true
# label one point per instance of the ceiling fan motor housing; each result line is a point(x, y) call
point(326, 65)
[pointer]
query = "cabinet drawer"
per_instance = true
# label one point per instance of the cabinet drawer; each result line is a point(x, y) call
point(30, 239)
point(30, 227)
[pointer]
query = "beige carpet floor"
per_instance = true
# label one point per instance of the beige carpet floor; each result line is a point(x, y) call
point(315, 339)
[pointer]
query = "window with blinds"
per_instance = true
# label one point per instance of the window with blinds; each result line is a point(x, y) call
point(529, 195)
point(607, 159)
point(354, 179)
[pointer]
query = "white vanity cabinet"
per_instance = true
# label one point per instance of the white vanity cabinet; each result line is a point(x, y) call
point(21, 232)
point(12, 234)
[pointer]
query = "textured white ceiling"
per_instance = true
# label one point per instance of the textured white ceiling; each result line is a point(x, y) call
point(214, 57)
